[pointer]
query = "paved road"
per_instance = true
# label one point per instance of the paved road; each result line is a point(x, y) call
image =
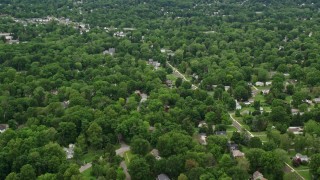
point(178, 74)
point(293, 170)
point(124, 148)
point(239, 127)
point(85, 167)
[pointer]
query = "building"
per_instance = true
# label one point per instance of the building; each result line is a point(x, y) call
point(303, 158)
point(69, 151)
point(232, 146)
point(265, 92)
point(203, 138)
point(268, 83)
point(119, 34)
point(258, 176)
point(3, 127)
point(316, 100)
point(202, 124)
point(237, 154)
point(169, 83)
point(259, 83)
point(155, 153)
point(110, 51)
point(155, 64)
point(221, 133)
point(162, 177)
point(226, 88)
point(295, 130)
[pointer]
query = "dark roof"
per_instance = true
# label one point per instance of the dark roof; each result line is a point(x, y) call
point(221, 132)
point(4, 126)
point(163, 177)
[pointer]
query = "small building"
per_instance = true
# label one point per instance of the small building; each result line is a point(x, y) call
point(294, 111)
point(3, 127)
point(247, 103)
point(203, 138)
point(258, 176)
point(65, 104)
point(259, 83)
point(110, 51)
point(303, 158)
point(295, 130)
point(237, 154)
point(202, 124)
point(163, 177)
point(69, 151)
point(119, 34)
point(155, 64)
point(155, 153)
point(232, 146)
point(221, 133)
point(169, 83)
point(316, 100)
point(226, 88)
point(265, 92)
point(268, 83)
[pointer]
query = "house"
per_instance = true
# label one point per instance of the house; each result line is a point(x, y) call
point(221, 133)
point(153, 63)
point(295, 130)
point(111, 51)
point(69, 151)
point(169, 83)
point(203, 138)
point(261, 109)
point(238, 106)
point(294, 111)
point(226, 88)
point(163, 177)
point(232, 146)
point(237, 154)
point(119, 34)
point(259, 83)
point(65, 104)
point(258, 176)
point(303, 158)
point(247, 103)
point(316, 100)
point(265, 92)
point(3, 127)
point(155, 153)
point(286, 74)
point(202, 124)
point(268, 83)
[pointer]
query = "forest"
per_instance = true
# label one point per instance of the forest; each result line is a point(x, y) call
point(159, 89)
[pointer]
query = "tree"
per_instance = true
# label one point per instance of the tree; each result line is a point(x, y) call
point(255, 142)
point(139, 169)
point(174, 143)
point(140, 146)
point(178, 82)
point(241, 93)
point(67, 133)
point(27, 172)
point(182, 177)
point(94, 135)
point(315, 165)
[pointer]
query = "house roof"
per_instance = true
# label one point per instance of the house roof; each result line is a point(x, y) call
point(4, 127)
point(237, 153)
point(163, 177)
point(257, 175)
point(221, 133)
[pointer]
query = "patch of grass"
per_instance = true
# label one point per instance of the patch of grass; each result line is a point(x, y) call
point(260, 98)
point(171, 77)
point(128, 156)
point(87, 174)
point(90, 156)
point(305, 174)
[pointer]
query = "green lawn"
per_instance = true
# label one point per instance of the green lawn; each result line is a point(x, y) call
point(260, 98)
point(90, 156)
point(128, 156)
point(171, 77)
point(87, 174)
point(305, 174)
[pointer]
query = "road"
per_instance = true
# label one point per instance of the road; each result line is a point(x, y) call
point(235, 123)
point(180, 75)
point(85, 167)
point(124, 148)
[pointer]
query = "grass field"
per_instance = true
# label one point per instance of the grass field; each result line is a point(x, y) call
point(127, 157)
point(87, 174)
point(90, 156)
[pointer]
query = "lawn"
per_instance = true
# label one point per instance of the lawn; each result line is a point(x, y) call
point(128, 156)
point(90, 156)
point(171, 77)
point(87, 174)
point(305, 174)
point(260, 98)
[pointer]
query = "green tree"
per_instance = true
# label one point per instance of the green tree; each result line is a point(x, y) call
point(140, 146)
point(139, 169)
point(27, 172)
point(94, 135)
